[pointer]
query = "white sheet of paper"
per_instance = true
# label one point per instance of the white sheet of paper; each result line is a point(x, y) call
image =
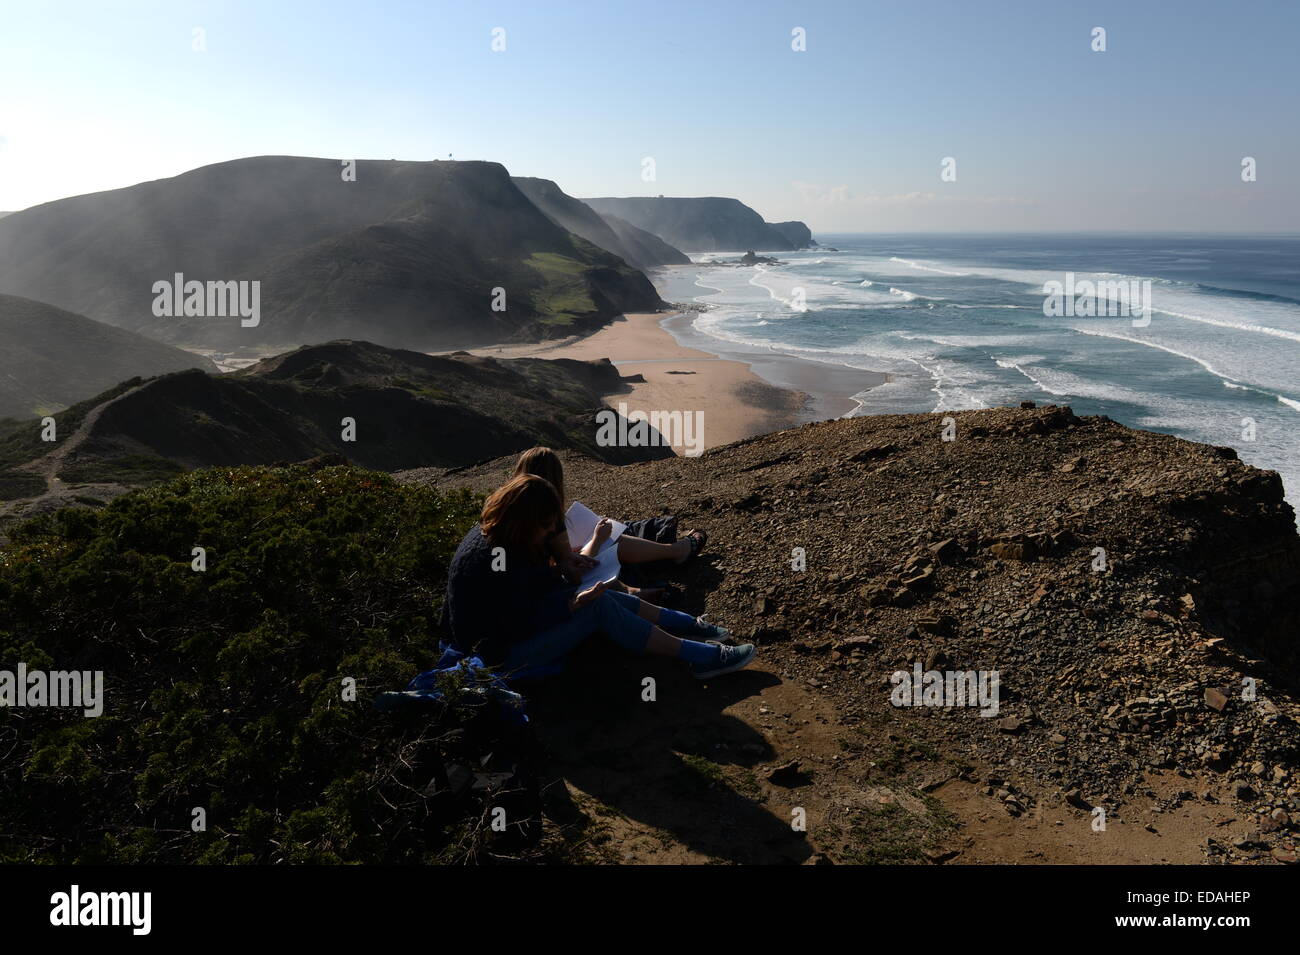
point(580, 521)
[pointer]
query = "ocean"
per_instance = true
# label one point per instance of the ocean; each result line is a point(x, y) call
point(959, 322)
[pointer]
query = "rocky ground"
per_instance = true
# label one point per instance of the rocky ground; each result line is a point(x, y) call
point(1136, 593)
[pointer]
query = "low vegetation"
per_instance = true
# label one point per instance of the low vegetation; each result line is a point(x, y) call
point(224, 689)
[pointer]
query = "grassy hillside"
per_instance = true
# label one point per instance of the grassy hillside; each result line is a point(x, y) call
point(410, 410)
point(52, 358)
point(406, 255)
point(637, 248)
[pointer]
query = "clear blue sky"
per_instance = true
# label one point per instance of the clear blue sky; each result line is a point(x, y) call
point(848, 136)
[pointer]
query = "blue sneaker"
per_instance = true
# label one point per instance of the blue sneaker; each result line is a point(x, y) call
point(730, 659)
point(710, 632)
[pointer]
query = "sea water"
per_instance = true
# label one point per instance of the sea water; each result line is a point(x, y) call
point(959, 322)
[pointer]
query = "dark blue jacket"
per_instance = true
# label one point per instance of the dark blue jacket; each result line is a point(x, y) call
point(487, 610)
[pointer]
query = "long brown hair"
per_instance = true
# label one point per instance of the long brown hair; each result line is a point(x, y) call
point(545, 463)
point(514, 512)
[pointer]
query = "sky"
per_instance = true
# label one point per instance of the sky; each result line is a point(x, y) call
point(849, 134)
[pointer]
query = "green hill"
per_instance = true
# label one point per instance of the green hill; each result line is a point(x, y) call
point(634, 246)
point(410, 410)
point(407, 255)
point(53, 358)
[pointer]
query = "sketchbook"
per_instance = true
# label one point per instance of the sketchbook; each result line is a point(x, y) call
point(580, 521)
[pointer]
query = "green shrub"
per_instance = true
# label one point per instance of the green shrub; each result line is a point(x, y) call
point(127, 469)
point(223, 689)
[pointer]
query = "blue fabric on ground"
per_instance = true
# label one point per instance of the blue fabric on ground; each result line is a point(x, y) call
point(491, 689)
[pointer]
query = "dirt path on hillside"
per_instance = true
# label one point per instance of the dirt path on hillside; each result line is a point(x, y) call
point(57, 493)
point(48, 465)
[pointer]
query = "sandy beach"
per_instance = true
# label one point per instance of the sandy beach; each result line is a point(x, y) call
point(735, 401)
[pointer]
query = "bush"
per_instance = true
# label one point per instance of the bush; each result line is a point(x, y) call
point(223, 689)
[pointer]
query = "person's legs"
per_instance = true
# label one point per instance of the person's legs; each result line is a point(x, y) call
point(613, 614)
point(674, 621)
point(553, 642)
point(634, 604)
point(621, 608)
point(638, 550)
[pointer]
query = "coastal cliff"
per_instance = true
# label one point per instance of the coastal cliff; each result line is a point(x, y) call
point(634, 246)
point(706, 224)
point(796, 233)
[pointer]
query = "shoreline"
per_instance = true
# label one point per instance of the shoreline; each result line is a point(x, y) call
point(740, 392)
point(732, 401)
point(737, 395)
point(830, 388)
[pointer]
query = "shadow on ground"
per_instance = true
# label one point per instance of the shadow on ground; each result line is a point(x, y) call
point(678, 764)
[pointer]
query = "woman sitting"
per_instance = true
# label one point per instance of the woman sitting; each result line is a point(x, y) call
point(507, 603)
point(545, 463)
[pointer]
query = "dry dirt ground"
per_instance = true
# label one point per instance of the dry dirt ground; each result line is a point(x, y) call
point(694, 776)
point(802, 759)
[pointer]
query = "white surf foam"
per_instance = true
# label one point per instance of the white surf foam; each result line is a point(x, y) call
point(924, 268)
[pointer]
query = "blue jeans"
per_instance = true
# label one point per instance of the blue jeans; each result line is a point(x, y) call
point(612, 613)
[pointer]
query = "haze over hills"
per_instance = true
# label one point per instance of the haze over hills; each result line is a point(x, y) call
point(638, 248)
point(53, 358)
point(644, 246)
point(408, 254)
point(707, 224)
